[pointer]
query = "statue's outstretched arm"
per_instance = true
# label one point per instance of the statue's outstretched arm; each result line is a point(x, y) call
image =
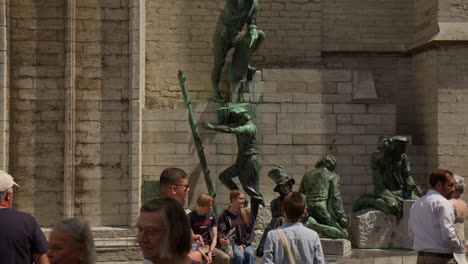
point(224, 129)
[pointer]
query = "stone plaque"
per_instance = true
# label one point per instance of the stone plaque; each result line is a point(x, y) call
point(305, 123)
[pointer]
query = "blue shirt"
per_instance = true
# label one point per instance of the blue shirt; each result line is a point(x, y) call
point(304, 243)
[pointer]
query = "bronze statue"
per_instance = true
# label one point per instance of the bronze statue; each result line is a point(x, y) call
point(248, 164)
point(391, 178)
point(283, 186)
point(321, 188)
point(229, 34)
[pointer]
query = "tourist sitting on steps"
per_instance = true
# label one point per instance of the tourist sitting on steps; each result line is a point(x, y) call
point(203, 222)
point(243, 222)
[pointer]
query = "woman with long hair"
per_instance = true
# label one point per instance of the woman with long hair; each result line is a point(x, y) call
point(236, 216)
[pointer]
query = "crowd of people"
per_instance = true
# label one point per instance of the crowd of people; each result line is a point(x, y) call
point(168, 233)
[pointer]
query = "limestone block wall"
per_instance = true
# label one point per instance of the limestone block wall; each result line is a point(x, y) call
point(37, 105)
point(452, 109)
point(300, 115)
point(424, 104)
point(70, 72)
point(392, 76)
point(425, 21)
point(366, 25)
point(102, 111)
point(179, 36)
point(453, 11)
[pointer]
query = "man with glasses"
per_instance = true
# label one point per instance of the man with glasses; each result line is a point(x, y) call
point(173, 183)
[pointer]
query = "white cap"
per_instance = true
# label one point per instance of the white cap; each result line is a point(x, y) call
point(6, 181)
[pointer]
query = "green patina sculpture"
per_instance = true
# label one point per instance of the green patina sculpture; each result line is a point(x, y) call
point(283, 186)
point(248, 163)
point(322, 189)
point(229, 34)
point(197, 140)
point(391, 178)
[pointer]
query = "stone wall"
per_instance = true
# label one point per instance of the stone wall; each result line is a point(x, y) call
point(179, 36)
point(37, 106)
point(300, 115)
point(392, 77)
point(102, 111)
point(452, 126)
point(424, 94)
point(70, 72)
point(352, 25)
point(453, 11)
point(425, 24)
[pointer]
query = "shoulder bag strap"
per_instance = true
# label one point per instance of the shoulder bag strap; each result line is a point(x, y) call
point(286, 246)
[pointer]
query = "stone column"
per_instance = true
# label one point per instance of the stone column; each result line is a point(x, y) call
point(137, 102)
point(70, 113)
point(4, 86)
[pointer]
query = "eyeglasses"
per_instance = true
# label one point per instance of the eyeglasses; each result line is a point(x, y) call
point(241, 199)
point(186, 186)
point(148, 233)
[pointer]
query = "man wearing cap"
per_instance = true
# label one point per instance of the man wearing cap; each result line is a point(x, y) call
point(283, 186)
point(248, 164)
point(21, 239)
point(321, 188)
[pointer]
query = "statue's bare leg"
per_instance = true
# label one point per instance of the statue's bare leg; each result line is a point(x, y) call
point(221, 47)
point(239, 66)
point(227, 175)
point(250, 167)
point(325, 230)
point(323, 222)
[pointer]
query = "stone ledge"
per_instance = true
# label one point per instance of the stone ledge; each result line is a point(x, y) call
point(340, 247)
point(375, 256)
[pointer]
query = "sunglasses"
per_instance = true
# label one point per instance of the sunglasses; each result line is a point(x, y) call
point(186, 186)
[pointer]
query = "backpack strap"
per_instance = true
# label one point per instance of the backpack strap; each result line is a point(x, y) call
point(288, 250)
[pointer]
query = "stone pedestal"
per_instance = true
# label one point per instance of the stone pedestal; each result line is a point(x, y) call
point(340, 247)
point(371, 228)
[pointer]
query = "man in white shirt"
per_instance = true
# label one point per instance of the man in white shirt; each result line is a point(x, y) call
point(431, 222)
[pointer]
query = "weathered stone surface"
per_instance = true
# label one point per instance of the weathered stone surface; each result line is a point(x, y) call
point(262, 221)
point(372, 228)
point(341, 247)
point(301, 123)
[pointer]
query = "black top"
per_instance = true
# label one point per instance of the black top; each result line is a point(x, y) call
point(20, 237)
point(244, 235)
point(202, 225)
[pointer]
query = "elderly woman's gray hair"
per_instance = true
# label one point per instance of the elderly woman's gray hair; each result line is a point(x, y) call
point(459, 183)
point(78, 230)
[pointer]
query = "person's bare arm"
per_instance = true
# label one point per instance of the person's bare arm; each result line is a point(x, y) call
point(41, 258)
